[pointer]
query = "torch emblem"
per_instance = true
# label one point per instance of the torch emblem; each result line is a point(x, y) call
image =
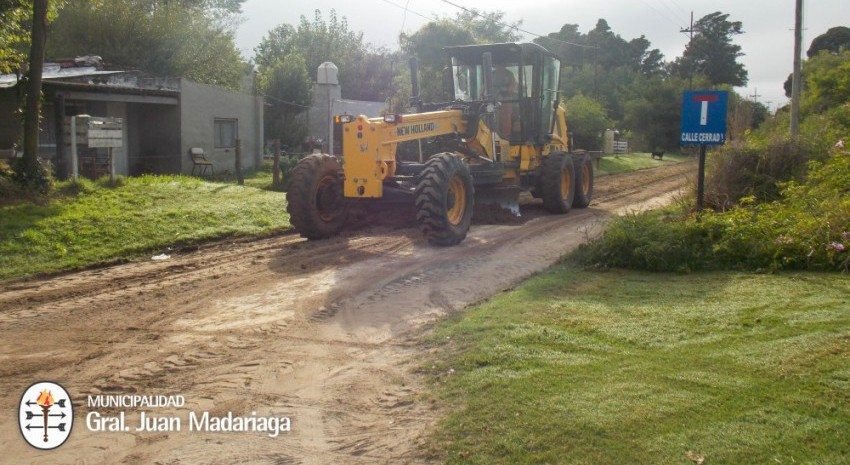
point(46, 415)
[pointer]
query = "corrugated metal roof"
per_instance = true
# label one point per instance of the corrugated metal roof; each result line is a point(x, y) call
point(54, 71)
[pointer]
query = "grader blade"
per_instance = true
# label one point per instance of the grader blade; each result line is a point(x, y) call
point(506, 198)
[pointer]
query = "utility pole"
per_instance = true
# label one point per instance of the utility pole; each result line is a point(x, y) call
point(796, 85)
point(690, 31)
point(756, 96)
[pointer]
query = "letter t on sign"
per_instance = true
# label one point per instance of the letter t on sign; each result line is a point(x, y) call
point(703, 114)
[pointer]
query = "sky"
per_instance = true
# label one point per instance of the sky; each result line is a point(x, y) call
point(767, 42)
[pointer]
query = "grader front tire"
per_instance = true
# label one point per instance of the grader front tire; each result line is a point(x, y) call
point(444, 200)
point(314, 197)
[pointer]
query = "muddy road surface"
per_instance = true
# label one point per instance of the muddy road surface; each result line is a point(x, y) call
point(325, 334)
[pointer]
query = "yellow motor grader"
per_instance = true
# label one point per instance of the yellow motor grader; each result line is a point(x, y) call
point(502, 132)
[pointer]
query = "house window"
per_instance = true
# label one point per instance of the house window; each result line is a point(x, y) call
point(226, 133)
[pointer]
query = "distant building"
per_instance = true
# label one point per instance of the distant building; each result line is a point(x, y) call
point(328, 102)
point(163, 118)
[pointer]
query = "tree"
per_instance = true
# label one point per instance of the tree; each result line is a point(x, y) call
point(568, 43)
point(654, 113)
point(427, 45)
point(712, 53)
point(29, 165)
point(191, 39)
point(834, 40)
point(317, 41)
point(488, 27)
point(827, 81)
point(587, 120)
point(744, 115)
point(15, 15)
point(289, 91)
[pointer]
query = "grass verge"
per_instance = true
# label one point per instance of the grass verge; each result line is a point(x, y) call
point(611, 164)
point(578, 367)
point(88, 223)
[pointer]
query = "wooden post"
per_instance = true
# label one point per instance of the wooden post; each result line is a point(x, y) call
point(75, 163)
point(276, 165)
point(239, 179)
point(111, 166)
point(61, 156)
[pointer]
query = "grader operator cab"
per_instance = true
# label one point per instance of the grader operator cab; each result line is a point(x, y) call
point(502, 132)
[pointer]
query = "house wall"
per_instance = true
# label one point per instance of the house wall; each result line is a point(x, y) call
point(10, 121)
point(328, 97)
point(154, 138)
point(119, 154)
point(200, 106)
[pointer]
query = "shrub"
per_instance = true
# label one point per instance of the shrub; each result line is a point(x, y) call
point(808, 228)
point(754, 169)
point(35, 177)
point(663, 240)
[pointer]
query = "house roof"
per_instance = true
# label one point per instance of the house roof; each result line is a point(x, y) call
point(54, 71)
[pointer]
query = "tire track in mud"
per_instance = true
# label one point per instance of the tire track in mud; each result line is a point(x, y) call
point(325, 332)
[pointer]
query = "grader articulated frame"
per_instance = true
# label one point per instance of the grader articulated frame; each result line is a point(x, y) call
point(502, 132)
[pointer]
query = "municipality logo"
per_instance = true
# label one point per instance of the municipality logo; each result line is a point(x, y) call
point(45, 415)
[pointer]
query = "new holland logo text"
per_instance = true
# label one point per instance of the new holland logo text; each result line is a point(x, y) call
point(45, 415)
point(416, 129)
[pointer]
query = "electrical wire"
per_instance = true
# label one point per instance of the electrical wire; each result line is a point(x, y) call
point(517, 28)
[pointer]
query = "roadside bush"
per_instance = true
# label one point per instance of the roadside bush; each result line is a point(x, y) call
point(754, 169)
point(757, 166)
point(35, 177)
point(808, 228)
point(663, 240)
point(8, 189)
point(287, 164)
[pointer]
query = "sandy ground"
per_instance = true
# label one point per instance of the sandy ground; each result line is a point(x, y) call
point(325, 333)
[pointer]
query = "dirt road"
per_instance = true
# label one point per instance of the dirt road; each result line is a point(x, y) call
point(324, 333)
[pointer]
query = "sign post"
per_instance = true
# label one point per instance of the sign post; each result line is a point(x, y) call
point(703, 124)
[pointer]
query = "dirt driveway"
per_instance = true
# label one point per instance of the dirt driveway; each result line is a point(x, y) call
point(324, 333)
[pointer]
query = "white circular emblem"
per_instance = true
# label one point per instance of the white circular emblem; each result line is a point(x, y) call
point(46, 415)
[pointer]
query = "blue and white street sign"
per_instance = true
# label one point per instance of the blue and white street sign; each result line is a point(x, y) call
point(704, 117)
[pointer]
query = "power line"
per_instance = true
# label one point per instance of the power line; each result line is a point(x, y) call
point(517, 28)
point(667, 7)
point(408, 10)
point(660, 13)
point(293, 104)
point(676, 4)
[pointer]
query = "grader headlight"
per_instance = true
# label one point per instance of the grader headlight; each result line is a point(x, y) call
point(392, 119)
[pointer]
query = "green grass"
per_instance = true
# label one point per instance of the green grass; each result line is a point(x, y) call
point(89, 223)
point(577, 367)
point(611, 164)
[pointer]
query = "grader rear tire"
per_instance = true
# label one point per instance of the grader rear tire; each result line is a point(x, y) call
point(314, 197)
point(444, 200)
point(557, 183)
point(584, 180)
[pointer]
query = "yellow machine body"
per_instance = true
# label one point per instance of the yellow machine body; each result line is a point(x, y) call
point(369, 147)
